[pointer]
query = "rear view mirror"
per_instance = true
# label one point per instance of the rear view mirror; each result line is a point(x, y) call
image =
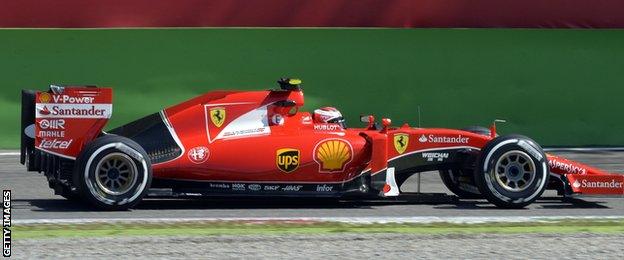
point(367, 119)
point(286, 103)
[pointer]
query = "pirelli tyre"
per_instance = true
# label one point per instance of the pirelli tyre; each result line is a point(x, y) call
point(113, 173)
point(512, 171)
point(459, 181)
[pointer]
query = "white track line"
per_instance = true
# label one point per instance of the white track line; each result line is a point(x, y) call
point(9, 154)
point(349, 220)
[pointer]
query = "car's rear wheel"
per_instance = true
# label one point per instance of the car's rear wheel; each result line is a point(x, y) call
point(512, 171)
point(459, 181)
point(113, 173)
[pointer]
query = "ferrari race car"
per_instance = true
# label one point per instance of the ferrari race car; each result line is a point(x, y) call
point(259, 143)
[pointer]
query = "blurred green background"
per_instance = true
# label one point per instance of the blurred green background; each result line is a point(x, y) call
point(561, 87)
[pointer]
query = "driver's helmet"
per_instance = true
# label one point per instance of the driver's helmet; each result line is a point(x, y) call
point(329, 115)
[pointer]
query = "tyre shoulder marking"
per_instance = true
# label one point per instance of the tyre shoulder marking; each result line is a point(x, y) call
point(90, 186)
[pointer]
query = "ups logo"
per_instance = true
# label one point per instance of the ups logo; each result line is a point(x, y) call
point(287, 159)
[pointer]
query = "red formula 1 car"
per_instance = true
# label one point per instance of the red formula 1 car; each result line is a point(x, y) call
point(258, 143)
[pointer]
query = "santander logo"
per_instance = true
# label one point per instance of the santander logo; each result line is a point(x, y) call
point(613, 184)
point(44, 111)
point(576, 184)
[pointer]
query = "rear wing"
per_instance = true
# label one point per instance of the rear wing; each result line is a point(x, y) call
point(59, 122)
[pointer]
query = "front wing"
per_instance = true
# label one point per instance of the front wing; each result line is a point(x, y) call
point(581, 179)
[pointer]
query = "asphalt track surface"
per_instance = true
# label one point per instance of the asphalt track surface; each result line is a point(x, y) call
point(32, 199)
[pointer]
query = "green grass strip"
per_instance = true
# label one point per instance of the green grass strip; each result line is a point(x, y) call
point(246, 228)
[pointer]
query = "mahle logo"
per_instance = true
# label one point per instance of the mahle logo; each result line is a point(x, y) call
point(287, 159)
point(217, 116)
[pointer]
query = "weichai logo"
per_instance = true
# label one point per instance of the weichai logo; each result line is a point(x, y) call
point(287, 159)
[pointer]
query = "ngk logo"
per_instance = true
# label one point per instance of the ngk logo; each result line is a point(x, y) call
point(72, 100)
point(52, 124)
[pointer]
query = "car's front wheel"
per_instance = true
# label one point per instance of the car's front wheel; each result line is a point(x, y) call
point(512, 171)
point(113, 173)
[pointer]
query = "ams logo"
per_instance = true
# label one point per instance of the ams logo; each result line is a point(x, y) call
point(400, 142)
point(217, 116)
point(287, 159)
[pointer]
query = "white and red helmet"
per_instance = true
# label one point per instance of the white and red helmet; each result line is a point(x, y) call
point(328, 115)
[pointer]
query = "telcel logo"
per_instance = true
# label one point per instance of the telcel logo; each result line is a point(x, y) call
point(55, 144)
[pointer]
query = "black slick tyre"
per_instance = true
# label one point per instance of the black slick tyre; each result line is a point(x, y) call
point(113, 173)
point(512, 171)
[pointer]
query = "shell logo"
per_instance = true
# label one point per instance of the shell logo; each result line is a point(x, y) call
point(333, 155)
point(44, 97)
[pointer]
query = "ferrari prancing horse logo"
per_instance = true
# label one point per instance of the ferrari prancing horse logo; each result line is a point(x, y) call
point(400, 142)
point(217, 116)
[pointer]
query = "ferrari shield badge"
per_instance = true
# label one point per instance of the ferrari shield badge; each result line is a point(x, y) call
point(217, 116)
point(400, 142)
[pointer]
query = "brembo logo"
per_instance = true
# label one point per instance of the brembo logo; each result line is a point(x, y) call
point(443, 139)
point(598, 184)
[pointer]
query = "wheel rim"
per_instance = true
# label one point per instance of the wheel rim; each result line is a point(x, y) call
point(116, 174)
point(515, 171)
